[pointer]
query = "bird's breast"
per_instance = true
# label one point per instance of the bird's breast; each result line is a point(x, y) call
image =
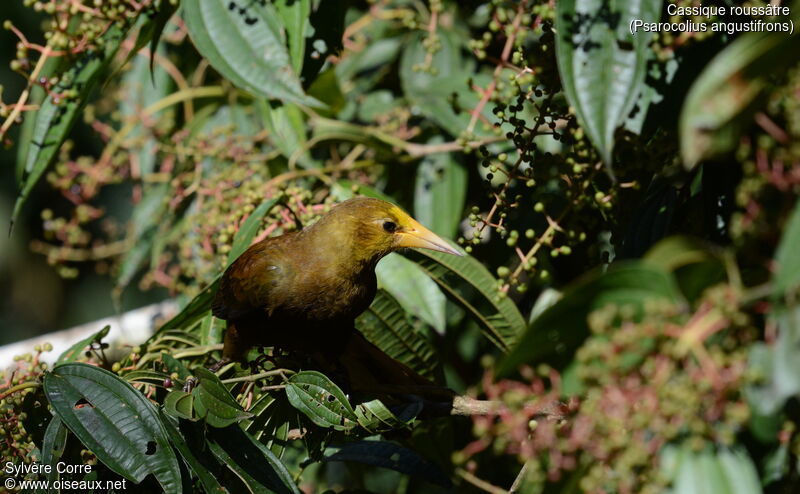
point(332, 298)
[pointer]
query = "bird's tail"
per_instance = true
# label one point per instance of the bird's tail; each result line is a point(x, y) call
point(371, 370)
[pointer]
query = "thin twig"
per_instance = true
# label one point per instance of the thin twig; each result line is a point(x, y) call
point(72, 254)
point(479, 482)
point(256, 377)
point(520, 480)
point(23, 97)
point(19, 387)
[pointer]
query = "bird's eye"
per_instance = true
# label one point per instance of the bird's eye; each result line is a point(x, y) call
point(389, 226)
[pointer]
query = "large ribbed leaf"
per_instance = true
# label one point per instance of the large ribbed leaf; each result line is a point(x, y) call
point(54, 119)
point(244, 42)
point(393, 456)
point(439, 193)
point(601, 63)
point(385, 325)
point(320, 400)
point(193, 458)
point(375, 417)
point(251, 461)
point(213, 402)
point(413, 289)
point(114, 421)
point(465, 281)
point(272, 418)
point(294, 16)
point(53, 444)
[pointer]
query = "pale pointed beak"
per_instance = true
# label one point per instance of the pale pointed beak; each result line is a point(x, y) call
point(416, 235)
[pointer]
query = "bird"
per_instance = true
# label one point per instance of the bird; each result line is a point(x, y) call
point(302, 291)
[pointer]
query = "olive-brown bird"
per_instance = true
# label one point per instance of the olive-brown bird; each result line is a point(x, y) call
point(302, 291)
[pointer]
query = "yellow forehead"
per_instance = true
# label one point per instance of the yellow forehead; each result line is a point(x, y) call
point(400, 216)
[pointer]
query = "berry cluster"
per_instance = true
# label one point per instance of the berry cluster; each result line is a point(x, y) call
point(644, 384)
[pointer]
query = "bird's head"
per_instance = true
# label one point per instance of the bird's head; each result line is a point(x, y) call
point(377, 227)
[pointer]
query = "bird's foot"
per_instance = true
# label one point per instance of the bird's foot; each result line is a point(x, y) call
point(262, 360)
point(189, 385)
point(219, 364)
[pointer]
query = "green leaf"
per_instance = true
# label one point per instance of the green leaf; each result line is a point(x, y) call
point(775, 464)
point(180, 404)
point(326, 89)
point(195, 462)
point(294, 16)
point(53, 445)
point(354, 70)
point(546, 299)
point(250, 227)
point(142, 88)
point(601, 64)
point(77, 350)
point(210, 331)
point(174, 365)
point(416, 292)
point(245, 45)
point(114, 421)
point(467, 283)
point(787, 273)
point(146, 217)
point(165, 12)
point(385, 325)
point(675, 252)
point(721, 101)
point(55, 119)
point(320, 400)
point(694, 265)
point(778, 366)
point(146, 376)
point(728, 471)
point(213, 402)
point(195, 310)
point(51, 66)
point(563, 326)
point(272, 416)
point(446, 97)
point(439, 194)
point(376, 104)
point(287, 129)
point(375, 417)
point(251, 461)
point(392, 456)
point(151, 31)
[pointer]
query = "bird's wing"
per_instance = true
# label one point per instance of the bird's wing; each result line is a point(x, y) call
point(249, 285)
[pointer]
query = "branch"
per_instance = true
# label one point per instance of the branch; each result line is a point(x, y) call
point(479, 482)
point(520, 480)
point(465, 406)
